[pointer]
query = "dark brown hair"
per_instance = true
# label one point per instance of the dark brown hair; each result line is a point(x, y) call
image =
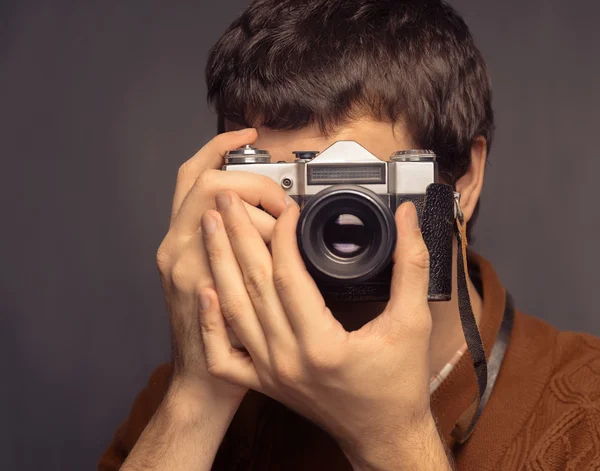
point(287, 64)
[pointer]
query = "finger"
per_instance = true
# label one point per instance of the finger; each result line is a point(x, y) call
point(255, 189)
point(410, 278)
point(299, 294)
point(209, 157)
point(222, 360)
point(193, 270)
point(262, 221)
point(255, 263)
point(235, 304)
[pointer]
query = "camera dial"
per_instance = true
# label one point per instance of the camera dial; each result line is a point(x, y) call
point(247, 155)
point(413, 155)
point(303, 156)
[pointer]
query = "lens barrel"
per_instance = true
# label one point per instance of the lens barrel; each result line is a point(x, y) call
point(346, 234)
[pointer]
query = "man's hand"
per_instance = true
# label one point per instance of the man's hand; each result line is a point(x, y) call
point(369, 389)
point(182, 260)
point(187, 429)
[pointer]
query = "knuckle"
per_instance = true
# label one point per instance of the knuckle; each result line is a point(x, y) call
point(180, 276)
point(215, 368)
point(209, 327)
point(277, 231)
point(214, 254)
point(269, 184)
point(204, 180)
point(286, 372)
point(282, 280)
point(183, 171)
point(420, 257)
point(221, 142)
point(231, 307)
point(257, 279)
point(421, 325)
point(321, 358)
point(163, 258)
point(235, 228)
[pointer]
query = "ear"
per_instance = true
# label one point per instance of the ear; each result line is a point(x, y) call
point(470, 184)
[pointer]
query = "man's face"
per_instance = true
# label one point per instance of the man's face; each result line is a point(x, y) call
point(381, 139)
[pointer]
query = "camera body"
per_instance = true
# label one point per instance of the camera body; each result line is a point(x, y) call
point(346, 231)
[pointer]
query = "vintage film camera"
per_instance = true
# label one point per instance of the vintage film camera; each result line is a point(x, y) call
point(346, 231)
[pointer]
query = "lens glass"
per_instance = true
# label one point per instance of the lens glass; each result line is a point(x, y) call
point(345, 235)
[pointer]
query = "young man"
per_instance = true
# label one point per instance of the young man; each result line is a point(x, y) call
point(372, 386)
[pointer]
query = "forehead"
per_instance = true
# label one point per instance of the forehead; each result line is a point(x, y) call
point(382, 139)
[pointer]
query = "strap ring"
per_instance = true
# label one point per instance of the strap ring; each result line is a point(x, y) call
point(458, 214)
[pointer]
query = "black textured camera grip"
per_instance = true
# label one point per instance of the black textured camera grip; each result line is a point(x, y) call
point(437, 227)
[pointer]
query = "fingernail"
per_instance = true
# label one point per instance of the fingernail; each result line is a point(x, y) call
point(411, 217)
point(209, 223)
point(204, 302)
point(223, 200)
point(243, 131)
point(289, 201)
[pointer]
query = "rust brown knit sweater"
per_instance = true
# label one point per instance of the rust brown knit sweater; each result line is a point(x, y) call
point(544, 413)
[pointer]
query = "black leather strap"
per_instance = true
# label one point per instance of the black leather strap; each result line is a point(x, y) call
point(497, 356)
point(486, 372)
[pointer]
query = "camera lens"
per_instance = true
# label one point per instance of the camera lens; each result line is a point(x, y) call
point(346, 234)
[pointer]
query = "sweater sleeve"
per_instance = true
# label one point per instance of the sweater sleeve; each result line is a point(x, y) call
point(145, 405)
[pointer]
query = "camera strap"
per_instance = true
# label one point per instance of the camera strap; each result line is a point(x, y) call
point(486, 372)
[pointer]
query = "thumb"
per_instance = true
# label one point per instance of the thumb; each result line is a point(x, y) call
point(410, 278)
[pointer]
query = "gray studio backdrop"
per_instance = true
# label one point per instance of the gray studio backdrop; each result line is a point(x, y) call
point(100, 102)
